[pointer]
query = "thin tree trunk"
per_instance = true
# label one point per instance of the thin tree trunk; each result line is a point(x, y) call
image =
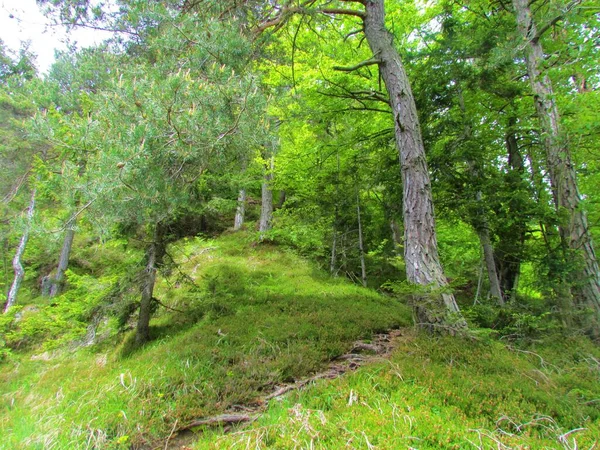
point(333, 253)
point(574, 228)
point(240, 210)
point(423, 265)
point(361, 248)
point(490, 264)
point(480, 221)
point(154, 256)
point(281, 200)
point(396, 240)
point(511, 242)
point(11, 298)
point(266, 207)
point(63, 262)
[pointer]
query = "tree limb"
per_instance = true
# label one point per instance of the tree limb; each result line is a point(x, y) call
point(554, 21)
point(342, 11)
point(369, 62)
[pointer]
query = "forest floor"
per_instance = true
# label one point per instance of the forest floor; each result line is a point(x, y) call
point(361, 353)
point(259, 336)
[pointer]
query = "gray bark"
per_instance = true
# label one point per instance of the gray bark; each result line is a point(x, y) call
point(361, 247)
point(154, 256)
point(574, 228)
point(240, 210)
point(423, 267)
point(63, 262)
point(266, 207)
point(490, 264)
point(11, 298)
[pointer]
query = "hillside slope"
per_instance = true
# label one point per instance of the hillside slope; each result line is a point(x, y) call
point(240, 319)
point(441, 393)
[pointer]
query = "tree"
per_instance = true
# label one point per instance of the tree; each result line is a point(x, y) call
point(420, 253)
point(573, 226)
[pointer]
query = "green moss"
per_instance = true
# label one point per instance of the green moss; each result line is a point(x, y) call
point(253, 316)
point(440, 393)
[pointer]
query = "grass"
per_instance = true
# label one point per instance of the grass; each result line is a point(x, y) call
point(441, 393)
point(245, 317)
point(251, 316)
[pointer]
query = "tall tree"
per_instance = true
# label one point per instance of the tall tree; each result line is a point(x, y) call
point(573, 224)
point(421, 257)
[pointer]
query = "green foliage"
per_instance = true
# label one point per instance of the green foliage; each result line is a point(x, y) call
point(520, 322)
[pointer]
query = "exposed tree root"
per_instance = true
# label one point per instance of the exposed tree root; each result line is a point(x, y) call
point(361, 353)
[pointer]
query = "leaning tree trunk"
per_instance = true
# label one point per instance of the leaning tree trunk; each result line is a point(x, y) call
point(488, 256)
point(16, 263)
point(240, 211)
point(574, 228)
point(423, 267)
point(154, 257)
point(266, 207)
point(63, 262)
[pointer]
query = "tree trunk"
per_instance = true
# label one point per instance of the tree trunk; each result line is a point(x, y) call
point(11, 298)
point(511, 236)
point(240, 210)
point(480, 221)
point(573, 227)
point(439, 309)
point(396, 240)
point(490, 264)
point(333, 253)
point(154, 256)
point(361, 248)
point(63, 262)
point(266, 207)
point(281, 200)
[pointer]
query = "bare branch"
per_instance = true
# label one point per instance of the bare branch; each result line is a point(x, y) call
point(342, 11)
point(369, 62)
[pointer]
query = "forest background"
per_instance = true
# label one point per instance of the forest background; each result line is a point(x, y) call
point(327, 128)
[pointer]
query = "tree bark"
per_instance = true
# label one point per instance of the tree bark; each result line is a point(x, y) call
point(154, 257)
point(240, 211)
point(361, 247)
point(11, 298)
point(423, 267)
point(488, 256)
point(63, 262)
point(573, 227)
point(266, 207)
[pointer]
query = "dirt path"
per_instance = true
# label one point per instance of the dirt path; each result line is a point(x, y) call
point(361, 353)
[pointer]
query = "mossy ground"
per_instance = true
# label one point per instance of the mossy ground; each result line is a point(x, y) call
point(441, 393)
point(250, 316)
point(245, 317)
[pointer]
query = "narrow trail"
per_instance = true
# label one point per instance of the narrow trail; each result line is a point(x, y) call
point(362, 353)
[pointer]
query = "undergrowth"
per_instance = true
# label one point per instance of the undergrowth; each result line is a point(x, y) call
point(241, 318)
